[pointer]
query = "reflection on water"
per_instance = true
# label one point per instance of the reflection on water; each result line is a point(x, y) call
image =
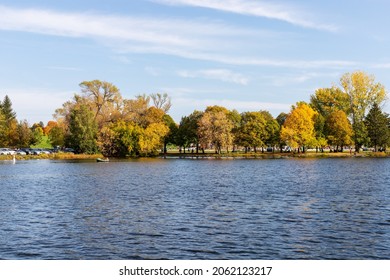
point(195, 209)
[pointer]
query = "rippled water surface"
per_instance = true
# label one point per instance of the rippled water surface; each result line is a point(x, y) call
point(196, 209)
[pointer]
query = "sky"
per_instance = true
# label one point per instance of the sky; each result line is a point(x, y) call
point(247, 55)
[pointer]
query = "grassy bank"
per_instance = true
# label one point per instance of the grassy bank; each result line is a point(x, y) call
point(55, 156)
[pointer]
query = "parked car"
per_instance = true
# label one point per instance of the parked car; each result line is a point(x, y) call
point(6, 151)
point(35, 151)
point(44, 151)
point(21, 152)
point(69, 150)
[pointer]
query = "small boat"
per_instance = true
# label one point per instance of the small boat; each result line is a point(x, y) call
point(102, 160)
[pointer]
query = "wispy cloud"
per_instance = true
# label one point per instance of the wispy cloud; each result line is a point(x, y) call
point(299, 78)
point(190, 39)
point(381, 66)
point(125, 33)
point(283, 12)
point(224, 75)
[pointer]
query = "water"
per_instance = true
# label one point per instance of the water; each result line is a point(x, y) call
point(195, 209)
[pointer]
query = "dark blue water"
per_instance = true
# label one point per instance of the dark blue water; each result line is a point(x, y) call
point(196, 209)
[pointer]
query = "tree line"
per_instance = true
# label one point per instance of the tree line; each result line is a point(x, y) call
point(99, 119)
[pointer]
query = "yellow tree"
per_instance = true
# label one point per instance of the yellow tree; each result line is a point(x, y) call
point(152, 138)
point(328, 100)
point(363, 92)
point(298, 129)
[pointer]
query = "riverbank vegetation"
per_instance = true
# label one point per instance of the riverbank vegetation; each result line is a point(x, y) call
point(99, 120)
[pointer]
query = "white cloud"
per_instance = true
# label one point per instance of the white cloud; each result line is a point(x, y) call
point(283, 12)
point(294, 79)
point(189, 39)
point(216, 74)
point(156, 33)
point(381, 66)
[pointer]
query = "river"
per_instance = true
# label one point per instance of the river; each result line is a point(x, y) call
point(195, 209)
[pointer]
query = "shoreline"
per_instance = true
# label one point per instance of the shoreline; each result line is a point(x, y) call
point(232, 155)
point(269, 155)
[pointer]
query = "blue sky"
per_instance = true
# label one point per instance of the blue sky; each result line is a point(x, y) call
point(242, 54)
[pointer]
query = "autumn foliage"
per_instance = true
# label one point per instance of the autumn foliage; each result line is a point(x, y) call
point(99, 119)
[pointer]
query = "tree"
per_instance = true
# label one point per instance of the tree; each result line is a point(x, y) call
point(281, 118)
point(3, 135)
point(9, 123)
point(161, 101)
point(377, 124)
point(328, 100)
point(49, 126)
point(105, 98)
point(272, 129)
point(187, 133)
point(134, 110)
point(57, 136)
point(25, 135)
point(215, 128)
point(298, 129)
point(120, 139)
point(363, 92)
point(320, 133)
point(252, 131)
point(151, 139)
point(124, 139)
point(37, 133)
point(82, 129)
point(338, 129)
point(171, 137)
point(6, 108)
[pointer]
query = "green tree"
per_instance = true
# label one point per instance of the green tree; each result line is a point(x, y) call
point(377, 124)
point(252, 131)
point(320, 133)
point(171, 137)
point(38, 134)
point(120, 139)
point(281, 118)
point(363, 92)
point(6, 108)
point(57, 136)
point(272, 128)
point(187, 133)
point(3, 134)
point(9, 123)
point(82, 129)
